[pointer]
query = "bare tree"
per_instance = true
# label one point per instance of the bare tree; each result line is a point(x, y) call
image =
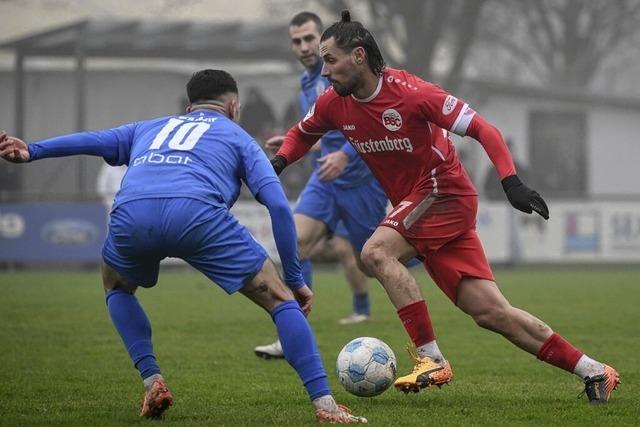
point(561, 43)
point(413, 33)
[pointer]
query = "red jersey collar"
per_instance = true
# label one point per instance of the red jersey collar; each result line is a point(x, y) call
point(373, 95)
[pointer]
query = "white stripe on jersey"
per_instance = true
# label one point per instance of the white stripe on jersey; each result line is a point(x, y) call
point(308, 133)
point(435, 181)
point(463, 120)
point(438, 152)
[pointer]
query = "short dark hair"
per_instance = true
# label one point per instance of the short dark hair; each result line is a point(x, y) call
point(210, 84)
point(351, 34)
point(304, 17)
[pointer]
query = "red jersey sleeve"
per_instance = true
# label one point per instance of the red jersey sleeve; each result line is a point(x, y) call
point(448, 112)
point(443, 109)
point(491, 140)
point(303, 135)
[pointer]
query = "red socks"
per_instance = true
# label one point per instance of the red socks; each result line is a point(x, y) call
point(558, 352)
point(415, 319)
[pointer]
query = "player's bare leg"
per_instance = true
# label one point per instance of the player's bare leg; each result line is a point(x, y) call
point(269, 292)
point(355, 277)
point(133, 326)
point(484, 302)
point(384, 254)
point(309, 231)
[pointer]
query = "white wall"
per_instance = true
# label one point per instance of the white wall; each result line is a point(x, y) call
point(613, 140)
point(113, 98)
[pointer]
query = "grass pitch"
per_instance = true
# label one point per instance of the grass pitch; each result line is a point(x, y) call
point(62, 363)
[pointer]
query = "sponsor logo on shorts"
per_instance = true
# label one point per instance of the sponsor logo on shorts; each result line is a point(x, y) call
point(391, 119)
point(391, 222)
point(449, 105)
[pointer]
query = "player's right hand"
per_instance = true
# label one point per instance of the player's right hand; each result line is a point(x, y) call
point(13, 149)
point(274, 143)
point(304, 296)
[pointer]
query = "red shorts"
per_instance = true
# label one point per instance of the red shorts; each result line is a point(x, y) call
point(442, 229)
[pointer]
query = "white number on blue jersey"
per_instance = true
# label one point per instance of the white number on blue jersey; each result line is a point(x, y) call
point(185, 138)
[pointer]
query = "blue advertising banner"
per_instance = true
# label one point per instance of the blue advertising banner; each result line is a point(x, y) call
point(52, 232)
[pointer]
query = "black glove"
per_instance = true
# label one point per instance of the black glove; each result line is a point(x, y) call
point(523, 198)
point(278, 163)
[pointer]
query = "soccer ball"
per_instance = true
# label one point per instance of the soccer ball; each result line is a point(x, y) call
point(366, 366)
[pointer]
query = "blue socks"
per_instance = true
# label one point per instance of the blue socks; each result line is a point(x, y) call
point(307, 271)
point(135, 330)
point(299, 347)
point(362, 304)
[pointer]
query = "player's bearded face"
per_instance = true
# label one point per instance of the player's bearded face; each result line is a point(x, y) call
point(338, 68)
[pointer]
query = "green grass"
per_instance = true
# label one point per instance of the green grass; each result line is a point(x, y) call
point(62, 363)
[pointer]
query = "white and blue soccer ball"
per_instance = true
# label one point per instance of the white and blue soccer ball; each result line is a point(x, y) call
point(366, 366)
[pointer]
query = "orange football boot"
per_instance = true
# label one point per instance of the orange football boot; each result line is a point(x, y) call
point(156, 401)
point(599, 387)
point(425, 373)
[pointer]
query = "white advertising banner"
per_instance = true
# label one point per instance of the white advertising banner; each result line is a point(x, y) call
point(602, 232)
point(256, 218)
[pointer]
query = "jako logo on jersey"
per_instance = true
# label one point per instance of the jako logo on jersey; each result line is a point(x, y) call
point(386, 144)
point(391, 119)
point(348, 127)
point(310, 113)
point(449, 105)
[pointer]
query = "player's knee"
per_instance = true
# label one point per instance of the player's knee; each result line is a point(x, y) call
point(304, 248)
point(266, 289)
point(112, 280)
point(363, 268)
point(374, 255)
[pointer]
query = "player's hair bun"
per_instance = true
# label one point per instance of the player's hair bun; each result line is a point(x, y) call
point(345, 16)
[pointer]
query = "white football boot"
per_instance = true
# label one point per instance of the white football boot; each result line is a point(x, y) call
point(270, 351)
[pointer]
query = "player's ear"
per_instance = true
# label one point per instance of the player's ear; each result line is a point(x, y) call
point(233, 109)
point(188, 109)
point(358, 54)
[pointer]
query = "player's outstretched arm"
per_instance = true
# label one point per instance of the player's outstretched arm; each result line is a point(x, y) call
point(284, 232)
point(13, 149)
point(520, 196)
point(114, 145)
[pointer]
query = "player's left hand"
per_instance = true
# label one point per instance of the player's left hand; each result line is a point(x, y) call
point(332, 165)
point(304, 296)
point(524, 198)
point(13, 149)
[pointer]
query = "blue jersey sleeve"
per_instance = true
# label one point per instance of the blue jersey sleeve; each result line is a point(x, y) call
point(284, 232)
point(114, 145)
point(257, 170)
point(351, 152)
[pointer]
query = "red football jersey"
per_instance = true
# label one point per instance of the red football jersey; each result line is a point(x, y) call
point(401, 131)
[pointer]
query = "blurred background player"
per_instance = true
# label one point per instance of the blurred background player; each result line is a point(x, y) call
point(108, 183)
point(184, 175)
point(341, 188)
point(400, 125)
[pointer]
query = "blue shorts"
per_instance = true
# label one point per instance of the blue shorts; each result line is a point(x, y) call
point(143, 232)
point(359, 208)
point(341, 230)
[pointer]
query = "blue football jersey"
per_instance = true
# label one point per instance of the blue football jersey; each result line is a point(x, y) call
point(356, 172)
point(201, 155)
